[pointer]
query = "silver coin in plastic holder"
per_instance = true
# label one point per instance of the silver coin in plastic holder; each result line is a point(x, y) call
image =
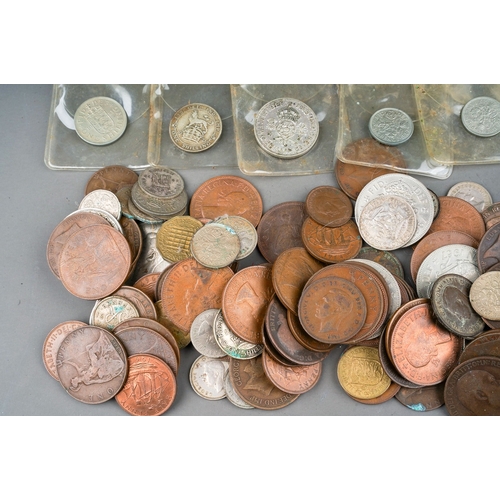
point(481, 116)
point(391, 126)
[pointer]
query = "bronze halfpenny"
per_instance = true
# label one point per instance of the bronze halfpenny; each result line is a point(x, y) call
point(111, 178)
point(328, 206)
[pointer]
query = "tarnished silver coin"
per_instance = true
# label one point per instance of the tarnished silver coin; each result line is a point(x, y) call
point(246, 233)
point(286, 128)
point(387, 223)
point(232, 396)
point(111, 311)
point(100, 121)
point(448, 259)
point(485, 295)
point(156, 206)
point(103, 199)
point(481, 116)
point(110, 218)
point(161, 182)
point(476, 194)
point(207, 377)
point(202, 334)
point(391, 126)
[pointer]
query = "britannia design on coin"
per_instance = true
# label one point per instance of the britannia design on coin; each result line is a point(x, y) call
point(391, 126)
point(286, 128)
point(481, 116)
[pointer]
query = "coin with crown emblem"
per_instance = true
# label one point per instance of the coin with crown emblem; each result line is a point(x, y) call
point(286, 128)
point(195, 127)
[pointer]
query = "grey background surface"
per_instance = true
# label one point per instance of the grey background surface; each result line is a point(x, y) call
point(34, 199)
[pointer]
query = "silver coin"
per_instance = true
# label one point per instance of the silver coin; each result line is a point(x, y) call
point(103, 199)
point(246, 233)
point(215, 245)
point(110, 218)
point(156, 206)
point(485, 295)
point(111, 311)
point(202, 334)
point(286, 128)
point(161, 182)
point(100, 121)
point(448, 259)
point(478, 196)
point(140, 215)
point(387, 223)
point(233, 396)
point(391, 126)
point(481, 116)
point(207, 377)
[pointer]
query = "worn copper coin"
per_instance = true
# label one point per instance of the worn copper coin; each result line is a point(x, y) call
point(384, 258)
point(488, 251)
point(133, 234)
point(250, 381)
point(328, 206)
point(150, 388)
point(161, 280)
point(280, 229)
point(123, 195)
point(226, 195)
point(487, 344)
point(147, 285)
point(303, 338)
point(112, 178)
point(272, 351)
point(144, 305)
point(491, 215)
point(91, 364)
point(422, 398)
point(182, 337)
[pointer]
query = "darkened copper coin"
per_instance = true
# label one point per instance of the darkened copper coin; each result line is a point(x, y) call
point(434, 241)
point(456, 214)
point(488, 251)
point(253, 385)
point(280, 229)
point(226, 195)
point(271, 350)
point(491, 215)
point(291, 271)
point(291, 379)
point(91, 364)
point(384, 258)
point(452, 307)
point(422, 398)
point(147, 285)
point(329, 206)
point(182, 337)
point(303, 338)
point(484, 345)
point(392, 391)
point(145, 306)
point(352, 178)
point(150, 388)
point(161, 280)
point(403, 288)
point(190, 289)
point(283, 340)
point(331, 244)
point(332, 310)
point(133, 234)
point(111, 178)
point(245, 301)
point(472, 388)
point(63, 231)
point(94, 262)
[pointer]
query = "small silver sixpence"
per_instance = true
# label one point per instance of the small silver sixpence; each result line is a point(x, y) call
point(481, 116)
point(391, 126)
point(100, 121)
point(103, 199)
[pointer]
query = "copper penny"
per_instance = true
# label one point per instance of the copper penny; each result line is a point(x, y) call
point(484, 345)
point(329, 206)
point(226, 195)
point(133, 234)
point(253, 385)
point(384, 258)
point(280, 229)
point(434, 241)
point(147, 285)
point(150, 388)
point(245, 301)
point(332, 310)
point(488, 251)
point(472, 388)
point(190, 289)
point(161, 280)
point(182, 337)
point(422, 398)
point(331, 244)
point(422, 350)
point(144, 305)
point(291, 271)
point(352, 178)
point(392, 390)
point(491, 215)
point(271, 350)
point(94, 262)
point(456, 214)
point(303, 338)
point(112, 178)
point(291, 379)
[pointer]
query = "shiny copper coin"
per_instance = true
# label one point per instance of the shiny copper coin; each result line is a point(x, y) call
point(456, 214)
point(303, 338)
point(484, 345)
point(472, 388)
point(331, 245)
point(384, 258)
point(150, 388)
point(291, 271)
point(91, 364)
point(422, 350)
point(112, 178)
point(352, 178)
point(147, 285)
point(226, 195)
point(328, 206)
point(291, 379)
point(491, 215)
point(253, 385)
point(488, 251)
point(280, 229)
point(144, 305)
point(182, 337)
point(422, 398)
point(191, 288)
point(393, 390)
point(332, 310)
point(94, 262)
point(434, 241)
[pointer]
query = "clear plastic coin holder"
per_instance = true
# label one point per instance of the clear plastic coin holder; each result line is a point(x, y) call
point(446, 138)
point(65, 150)
point(358, 103)
point(248, 99)
point(166, 100)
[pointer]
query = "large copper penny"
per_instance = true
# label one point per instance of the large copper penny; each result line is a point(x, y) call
point(144, 305)
point(182, 337)
point(147, 285)
point(328, 206)
point(488, 251)
point(133, 234)
point(226, 195)
point(112, 178)
point(422, 398)
point(487, 344)
point(491, 215)
point(280, 229)
point(245, 301)
point(332, 310)
point(303, 338)
point(250, 381)
point(150, 388)
point(384, 258)
point(190, 289)
point(94, 262)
